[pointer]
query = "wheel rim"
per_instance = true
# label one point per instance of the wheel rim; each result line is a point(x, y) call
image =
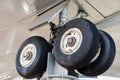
point(71, 41)
point(28, 55)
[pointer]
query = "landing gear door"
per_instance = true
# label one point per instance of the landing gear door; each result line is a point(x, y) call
point(44, 5)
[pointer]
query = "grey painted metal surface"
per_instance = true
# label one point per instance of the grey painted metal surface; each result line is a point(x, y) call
point(106, 8)
point(42, 6)
point(57, 72)
point(47, 16)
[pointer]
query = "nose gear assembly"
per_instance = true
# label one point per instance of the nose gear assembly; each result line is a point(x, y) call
point(73, 44)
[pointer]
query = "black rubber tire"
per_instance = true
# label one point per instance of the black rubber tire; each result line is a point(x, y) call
point(105, 58)
point(38, 67)
point(86, 51)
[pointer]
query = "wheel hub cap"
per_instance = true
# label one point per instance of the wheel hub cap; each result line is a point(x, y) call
point(71, 41)
point(29, 55)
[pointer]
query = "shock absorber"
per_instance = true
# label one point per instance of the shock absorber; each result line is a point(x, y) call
point(63, 16)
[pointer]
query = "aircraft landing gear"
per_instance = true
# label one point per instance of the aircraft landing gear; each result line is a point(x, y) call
point(74, 46)
point(76, 43)
point(105, 58)
point(31, 59)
